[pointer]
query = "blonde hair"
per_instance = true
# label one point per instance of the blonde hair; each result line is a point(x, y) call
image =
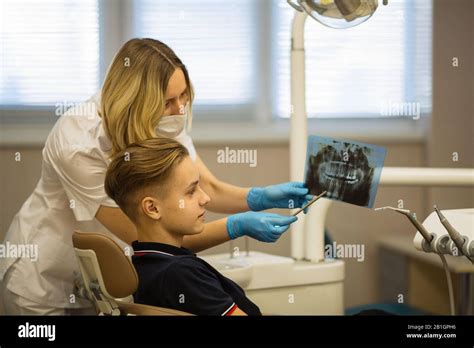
point(139, 168)
point(133, 94)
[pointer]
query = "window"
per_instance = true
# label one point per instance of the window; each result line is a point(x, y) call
point(49, 51)
point(216, 40)
point(361, 71)
point(237, 53)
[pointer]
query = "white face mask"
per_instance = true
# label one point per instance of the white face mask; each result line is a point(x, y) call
point(173, 125)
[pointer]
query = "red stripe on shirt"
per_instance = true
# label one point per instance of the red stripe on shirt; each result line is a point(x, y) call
point(234, 307)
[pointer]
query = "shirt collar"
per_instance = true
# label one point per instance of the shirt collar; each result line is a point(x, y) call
point(152, 247)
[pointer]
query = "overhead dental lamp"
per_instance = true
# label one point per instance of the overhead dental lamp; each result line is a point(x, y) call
point(307, 234)
point(338, 14)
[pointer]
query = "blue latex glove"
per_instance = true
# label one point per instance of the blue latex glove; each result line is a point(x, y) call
point(289, 195)
point(265, 227)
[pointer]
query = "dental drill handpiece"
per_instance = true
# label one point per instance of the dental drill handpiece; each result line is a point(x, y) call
point(453, 233)
point(412, 217)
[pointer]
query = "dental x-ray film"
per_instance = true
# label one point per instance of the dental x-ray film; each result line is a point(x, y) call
point(349, 171)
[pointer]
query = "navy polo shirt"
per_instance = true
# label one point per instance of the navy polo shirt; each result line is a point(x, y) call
point(176, 278)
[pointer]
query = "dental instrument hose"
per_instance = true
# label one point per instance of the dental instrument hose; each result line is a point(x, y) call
point(450, 283)
point(428, 237)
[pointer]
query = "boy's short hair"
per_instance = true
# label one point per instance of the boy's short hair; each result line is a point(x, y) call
point(140, 167)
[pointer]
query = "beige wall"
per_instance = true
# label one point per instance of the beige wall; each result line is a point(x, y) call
point(451, 130)
point(452, 123)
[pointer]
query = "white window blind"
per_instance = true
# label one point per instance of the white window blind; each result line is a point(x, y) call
point(357, 72)
point(49, 51)
point(215, 40)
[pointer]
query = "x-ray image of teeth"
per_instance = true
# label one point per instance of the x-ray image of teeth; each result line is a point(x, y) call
point(349, 171)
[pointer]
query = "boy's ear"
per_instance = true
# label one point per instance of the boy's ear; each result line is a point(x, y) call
point(151, 208)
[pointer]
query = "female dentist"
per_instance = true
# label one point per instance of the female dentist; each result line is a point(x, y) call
point(147, 93)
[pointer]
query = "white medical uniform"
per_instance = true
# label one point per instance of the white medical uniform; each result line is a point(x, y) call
point(66, 198)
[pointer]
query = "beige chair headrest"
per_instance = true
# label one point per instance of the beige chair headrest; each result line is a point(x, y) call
point(118, 272)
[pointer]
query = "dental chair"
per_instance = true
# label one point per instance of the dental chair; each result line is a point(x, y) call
point(108, 278)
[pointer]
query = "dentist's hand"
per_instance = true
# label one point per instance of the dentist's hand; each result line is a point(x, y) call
point(289, 195)
point(265, 227)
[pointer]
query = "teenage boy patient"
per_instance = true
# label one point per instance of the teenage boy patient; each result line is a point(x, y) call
point(156, 184)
